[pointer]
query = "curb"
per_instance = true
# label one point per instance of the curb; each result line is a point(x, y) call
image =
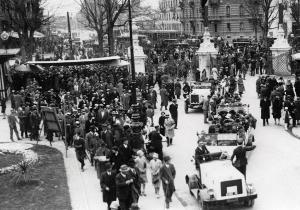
point(290, 131)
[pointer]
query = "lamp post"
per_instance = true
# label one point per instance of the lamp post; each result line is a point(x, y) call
point(133, 82)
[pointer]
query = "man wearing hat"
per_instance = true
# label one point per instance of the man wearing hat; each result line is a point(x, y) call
point(200, 153)
point(123, 188)
point(156, 142)
point(153, 96)
point(12, 122)
point(173, 108)
point(167, 175)
point(108, 185)
point(169, 125)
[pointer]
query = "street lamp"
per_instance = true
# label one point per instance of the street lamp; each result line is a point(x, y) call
point(133, 82)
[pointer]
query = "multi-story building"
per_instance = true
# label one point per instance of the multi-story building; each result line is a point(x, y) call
point(170, 16)
point(226, 18)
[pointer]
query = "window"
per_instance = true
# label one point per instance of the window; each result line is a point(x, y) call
point(241, 26)
point(228, 27)
point(216, 27)
point(242, 10)
point(228, 11)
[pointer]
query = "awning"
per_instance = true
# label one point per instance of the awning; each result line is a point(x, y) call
point(112, 60)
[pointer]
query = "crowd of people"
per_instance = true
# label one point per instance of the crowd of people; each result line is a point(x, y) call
point(98, 117)
point(282, 97)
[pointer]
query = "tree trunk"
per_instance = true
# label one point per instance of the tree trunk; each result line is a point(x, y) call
point(110, 35)
point(100, 41)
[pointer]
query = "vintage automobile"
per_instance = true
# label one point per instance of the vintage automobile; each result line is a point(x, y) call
point(195, 99)
point(219, 183)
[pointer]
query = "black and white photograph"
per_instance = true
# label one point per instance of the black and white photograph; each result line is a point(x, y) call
point(150, 104)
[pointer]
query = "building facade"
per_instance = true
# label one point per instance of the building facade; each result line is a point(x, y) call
point(170, 15)
point(226, 18)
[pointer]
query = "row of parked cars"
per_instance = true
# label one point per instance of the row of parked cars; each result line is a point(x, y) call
point(216, 181)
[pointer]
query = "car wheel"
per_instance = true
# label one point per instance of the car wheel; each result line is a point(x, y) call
point(249, 203)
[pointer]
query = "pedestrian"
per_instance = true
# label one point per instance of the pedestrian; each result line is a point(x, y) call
point(108, 185)
point(12, 122)
point(173, 109)
point(150, 114)
point(265, 110)
point(141, 165)
point(79, 146)
point(124, 184)
point(239, 155)
point(156, 142)
point(153, 96)
point(164, 96)
point(276, 109)
point(169, 125)
point(177, 89)
point(161, 122)
point(205, 108)
point(155, 166)
point(167, 175)
point(241, 87)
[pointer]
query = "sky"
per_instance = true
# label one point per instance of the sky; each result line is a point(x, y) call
point(61, 7)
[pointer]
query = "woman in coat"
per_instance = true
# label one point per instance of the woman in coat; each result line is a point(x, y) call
point(170, 126)
point(276, 109)
point(265, 110)
point(167, 175)
point(155, 166)
point(164, 95)
point(141, 165)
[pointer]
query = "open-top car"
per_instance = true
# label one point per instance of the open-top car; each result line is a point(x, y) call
point(199, 90)
point(218, 183)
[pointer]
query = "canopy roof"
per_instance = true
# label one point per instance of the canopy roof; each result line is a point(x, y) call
point(113, 60)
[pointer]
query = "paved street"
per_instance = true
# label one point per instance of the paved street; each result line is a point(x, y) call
point(274, 166)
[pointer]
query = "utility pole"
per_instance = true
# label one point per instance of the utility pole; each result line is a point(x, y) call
point(70, 35)
point(133, 82)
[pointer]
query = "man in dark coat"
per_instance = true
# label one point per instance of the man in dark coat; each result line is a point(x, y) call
point(107, 136)
point(277, 108)
point(156, 142)
point(265, 110)
point(125, 152)
point(167, 175)
point(178, 89)
point(173, 108)
point(239, 153)
point(200, 151)
point(124, 183)
point(153, 96)
point(79, 146)
point(161, 122)
point(108, 185)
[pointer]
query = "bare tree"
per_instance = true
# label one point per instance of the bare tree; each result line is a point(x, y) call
point(93, 12)
point(269, 10)
point(295, 10)
point(25, 17)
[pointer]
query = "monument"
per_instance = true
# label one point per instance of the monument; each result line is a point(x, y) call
point(280, 49)
point(139, 55)
point(207, 50)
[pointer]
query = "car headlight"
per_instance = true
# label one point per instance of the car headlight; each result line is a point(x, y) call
point(211, 193)
point(250, 188)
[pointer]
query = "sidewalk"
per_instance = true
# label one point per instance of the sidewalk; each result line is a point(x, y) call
point(295, 132)
point(84, 187)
